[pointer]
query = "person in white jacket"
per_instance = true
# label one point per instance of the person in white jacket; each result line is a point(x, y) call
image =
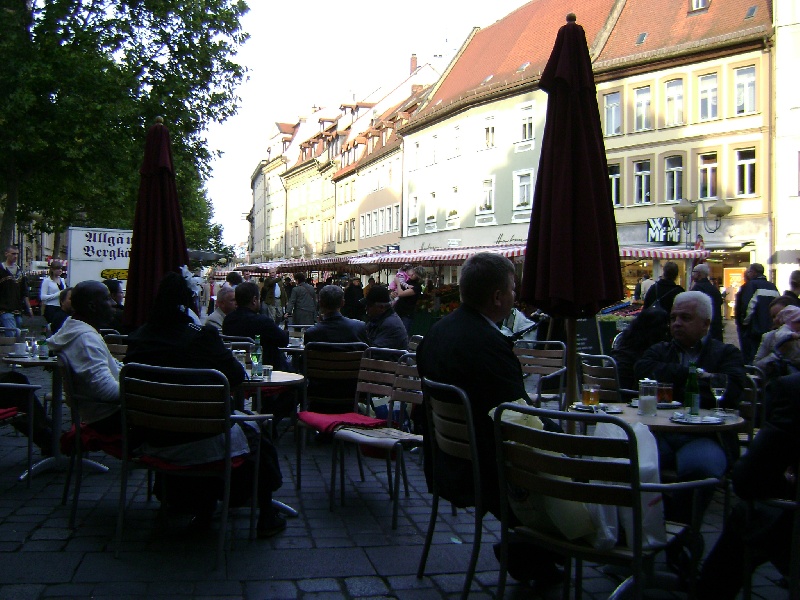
point(51, 288)
point(96, 372)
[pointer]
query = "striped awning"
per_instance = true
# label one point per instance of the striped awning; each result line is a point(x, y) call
point(369, 263)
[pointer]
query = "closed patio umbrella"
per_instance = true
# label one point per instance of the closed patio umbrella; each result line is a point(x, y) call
point(571, 265)
point(159, 243)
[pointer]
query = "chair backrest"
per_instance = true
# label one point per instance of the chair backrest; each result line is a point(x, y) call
point(580, 468)
point(406, 389)
point(750, 407)
point(332, 373)
point(71, 397)
point(175, 400)
point(107, 331)
point(450, 419)
point(236, 338)
point(376, 375)
point(15, 334)
point(413, 342)
point(117, 344)
point(601, 370)
point(546, 360)
point(247, 347)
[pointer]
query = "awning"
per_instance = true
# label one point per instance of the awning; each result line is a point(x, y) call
point(370, 263)
point(662, 253)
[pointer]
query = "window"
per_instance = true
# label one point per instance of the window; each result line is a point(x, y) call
point(673, 167)
point(397, 217)
point(613, 114)
point(527, 124)
point(388, 219)
point(699, 4)
point(374, 222)
point(745, 172)
point(363, 228)
point(523, 190)
point(413, 210)
point(381, 220)
point(487, 199)
point(745, 90)
point(353, 229)
point(708, 175)
point(489, 136)
point(641, 118)
point(674, 103)
point(614, 181)
point(708, 97)
point(457, 141)
point(641, 182)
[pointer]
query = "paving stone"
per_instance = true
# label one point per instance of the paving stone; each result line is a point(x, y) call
point(21, 592)
point(271, 590)
point(69, 590)
point(365, 586)
point(318, 585)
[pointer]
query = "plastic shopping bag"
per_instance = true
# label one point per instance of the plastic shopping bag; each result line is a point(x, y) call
point(608, 519)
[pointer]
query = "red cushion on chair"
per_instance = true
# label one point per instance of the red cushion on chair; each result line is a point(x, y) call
point(217, 465)
point(92, 441)
point(7, 413)
point(328, 423)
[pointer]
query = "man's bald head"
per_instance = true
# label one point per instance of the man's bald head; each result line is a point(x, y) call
point(92, 303)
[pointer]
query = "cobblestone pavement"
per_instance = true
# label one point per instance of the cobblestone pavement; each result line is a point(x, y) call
point(351, 552)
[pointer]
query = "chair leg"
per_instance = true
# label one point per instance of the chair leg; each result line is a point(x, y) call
point(399, 467)
point(332, 491)
point(341, 475)
point(429, 536)
point(77, 491)
point(501, 582)
point(476, 548)
point(223, 526)
point(123, 493)
point(392, 488)
point(68, 479)
point(567, 578)
point(300, 435)
point(360, 464)
point(578, 579)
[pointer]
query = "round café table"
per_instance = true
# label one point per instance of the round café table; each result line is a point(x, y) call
point(661, 423)
point(277, 379)
point(57, 461)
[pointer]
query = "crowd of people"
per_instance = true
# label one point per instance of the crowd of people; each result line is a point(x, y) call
point(675, 332)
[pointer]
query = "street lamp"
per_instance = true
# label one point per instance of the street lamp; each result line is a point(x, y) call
point(686, 212)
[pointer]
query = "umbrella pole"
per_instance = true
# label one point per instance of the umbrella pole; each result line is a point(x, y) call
point(572, 362)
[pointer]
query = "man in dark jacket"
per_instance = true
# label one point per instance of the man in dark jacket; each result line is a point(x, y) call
point(384, 327)
point(702, 284)
point(334, 327)
point(467, 349)
point(662, 293)
point(353, 300)
point(763, 472)
point(752, 310)
point(694, 456)
point(247, 321)
point(171, 339)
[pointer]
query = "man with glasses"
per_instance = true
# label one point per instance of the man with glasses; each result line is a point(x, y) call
point(13, 292)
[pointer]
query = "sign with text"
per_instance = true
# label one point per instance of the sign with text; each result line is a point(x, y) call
point(97, 254)
point(663, 230)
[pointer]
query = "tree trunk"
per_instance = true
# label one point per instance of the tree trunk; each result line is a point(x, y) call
point(57, 235)
point(9, 210)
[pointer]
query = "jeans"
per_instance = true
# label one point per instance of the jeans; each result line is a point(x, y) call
point(692, 457)
point(8, 319)
point(407, 322)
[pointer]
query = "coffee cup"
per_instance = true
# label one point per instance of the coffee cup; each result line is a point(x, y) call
point(20, 348)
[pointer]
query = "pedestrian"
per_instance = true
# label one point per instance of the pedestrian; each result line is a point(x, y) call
point(13, 292)
point(52, 286)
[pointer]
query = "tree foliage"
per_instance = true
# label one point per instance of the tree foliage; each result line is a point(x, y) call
point(80, 82)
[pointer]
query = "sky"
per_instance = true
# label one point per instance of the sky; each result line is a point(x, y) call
point(313, 52)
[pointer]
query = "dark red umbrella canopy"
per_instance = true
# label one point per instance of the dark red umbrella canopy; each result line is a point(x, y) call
point(572, 258)
point(159, 243)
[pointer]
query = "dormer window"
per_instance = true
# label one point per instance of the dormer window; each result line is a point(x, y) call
point(641, 38)
point(699, 4)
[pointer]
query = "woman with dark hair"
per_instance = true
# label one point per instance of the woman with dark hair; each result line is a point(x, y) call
point(649, 327)
point(171, 338)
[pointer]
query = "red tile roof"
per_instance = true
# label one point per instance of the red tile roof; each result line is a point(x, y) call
point(671, 26)
point(524, 36)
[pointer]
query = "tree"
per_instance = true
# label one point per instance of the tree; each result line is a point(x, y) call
point(80, 82)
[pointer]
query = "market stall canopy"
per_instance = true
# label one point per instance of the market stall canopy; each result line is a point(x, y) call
point(370, 263)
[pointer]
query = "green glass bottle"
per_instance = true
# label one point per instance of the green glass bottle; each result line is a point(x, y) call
point(691, 394)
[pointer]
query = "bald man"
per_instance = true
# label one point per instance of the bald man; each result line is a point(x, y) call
point(701, 283)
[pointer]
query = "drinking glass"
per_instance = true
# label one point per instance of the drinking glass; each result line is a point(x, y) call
point(30, 342)
point(718, 383)
point(591, 394)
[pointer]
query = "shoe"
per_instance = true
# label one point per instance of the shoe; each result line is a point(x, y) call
point(270, 526)
point(527, 564)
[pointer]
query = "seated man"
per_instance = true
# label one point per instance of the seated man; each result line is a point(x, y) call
point(117, 295)
point(694, 456)
point(384, 328)
point(170, 338)
point(333, 326)
point(247, 321)
point(96, 372)
point(467, 349)
point(223, 306)
point(765, 471)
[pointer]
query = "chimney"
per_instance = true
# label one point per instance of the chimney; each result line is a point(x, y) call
point(413, 63)
point(416, 88)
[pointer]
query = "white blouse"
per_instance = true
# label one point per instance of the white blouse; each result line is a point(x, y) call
point(50, 291)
